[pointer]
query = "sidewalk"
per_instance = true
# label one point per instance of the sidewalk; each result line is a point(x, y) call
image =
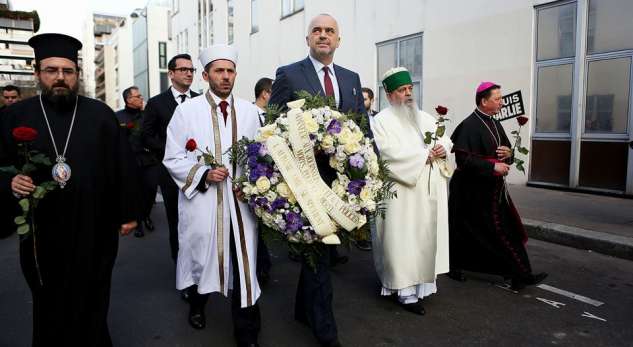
point(602, 224)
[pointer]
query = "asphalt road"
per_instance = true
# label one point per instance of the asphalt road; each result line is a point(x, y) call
point(146, 310)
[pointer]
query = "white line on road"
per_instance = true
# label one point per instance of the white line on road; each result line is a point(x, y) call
point(575, 296)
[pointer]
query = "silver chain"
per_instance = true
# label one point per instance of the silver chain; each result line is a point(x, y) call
point(59, 158)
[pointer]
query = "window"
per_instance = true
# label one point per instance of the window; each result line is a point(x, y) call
point(210, 24)
point(164, 81)
point(162, 55)
point(289, 7)
point(407, 52)
point(254, 22)
point(230, 18)
point(582, 121)
point(200, 14)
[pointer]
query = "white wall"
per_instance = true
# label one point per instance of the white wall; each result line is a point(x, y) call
point(464, 43)
point(157, 31)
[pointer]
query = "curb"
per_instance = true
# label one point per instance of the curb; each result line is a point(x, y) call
point(613, 245)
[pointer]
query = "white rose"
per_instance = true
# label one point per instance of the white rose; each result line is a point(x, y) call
point(262, 184)
point(370, 205)
point(268, 219)
point(336, 114)
point(283, 190)
point(271, 195)
point(265, 132)
point(344, 180)
point(327, 142)
point(357, 135)
point(365, 194)
point(311, 125)
point(373, 167)
point(345, 136)
point(338, 189)
point(351, 147)
point(333, 162)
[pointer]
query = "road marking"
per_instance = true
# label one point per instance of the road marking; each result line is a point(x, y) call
point(574, 296)
point(551, 302)
point(589, 315)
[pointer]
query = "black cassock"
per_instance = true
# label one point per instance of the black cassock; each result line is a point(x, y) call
point(486, 232)
point(76, 227)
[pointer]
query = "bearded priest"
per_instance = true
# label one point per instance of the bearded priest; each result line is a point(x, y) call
point(411, 241)
point(217, 233)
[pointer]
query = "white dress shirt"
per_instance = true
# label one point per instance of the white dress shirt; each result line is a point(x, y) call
point(318, 66)
point(177, 94)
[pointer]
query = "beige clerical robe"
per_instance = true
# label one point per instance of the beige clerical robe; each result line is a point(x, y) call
point(411, 242)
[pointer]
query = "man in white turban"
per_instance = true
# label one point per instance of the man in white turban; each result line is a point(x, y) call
point(217, 232)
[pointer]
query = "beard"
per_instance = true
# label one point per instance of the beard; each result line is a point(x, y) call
point(406, 110)
point(60, 93)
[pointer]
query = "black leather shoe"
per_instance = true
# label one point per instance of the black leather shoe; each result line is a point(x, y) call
point(520, 283)
point(149, 224)
point(340, 260)
point(252, 344)
point(415, 307)
point(139, 232)
point(197, 319)
point(457, 275)
point(184, 294)
point(363, 245)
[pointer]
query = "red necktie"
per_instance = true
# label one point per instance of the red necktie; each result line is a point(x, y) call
point(223, 106)
point(329, 87)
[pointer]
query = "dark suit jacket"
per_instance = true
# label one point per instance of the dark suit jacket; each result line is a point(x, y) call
point(302, 76)
point(158, 113)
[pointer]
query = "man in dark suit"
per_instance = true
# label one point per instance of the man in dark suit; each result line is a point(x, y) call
point(158, 113)
point(317, 74)
point(130, 119)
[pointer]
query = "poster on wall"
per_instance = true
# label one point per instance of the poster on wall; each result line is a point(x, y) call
point(512, 106)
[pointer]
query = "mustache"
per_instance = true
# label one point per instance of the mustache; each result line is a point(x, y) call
point(60, 84)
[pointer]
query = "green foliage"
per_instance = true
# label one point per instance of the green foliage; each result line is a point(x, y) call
point(23, 229)
point(428, 137)
point(10, 170)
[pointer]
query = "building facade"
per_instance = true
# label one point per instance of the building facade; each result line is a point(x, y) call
point(570, 60)
point(16, 56)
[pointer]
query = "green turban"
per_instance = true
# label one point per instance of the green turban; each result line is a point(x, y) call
point(396, 78)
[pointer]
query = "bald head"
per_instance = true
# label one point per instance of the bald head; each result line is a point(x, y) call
point(323, 38)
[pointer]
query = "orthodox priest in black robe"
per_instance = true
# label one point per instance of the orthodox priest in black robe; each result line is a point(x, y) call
point(486, 232)
point(67, 258)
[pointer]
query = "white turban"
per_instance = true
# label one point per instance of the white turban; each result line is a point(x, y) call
point(216, 52)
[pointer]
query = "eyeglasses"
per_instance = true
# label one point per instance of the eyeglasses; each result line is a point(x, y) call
point(54, 71)
point(185, 69)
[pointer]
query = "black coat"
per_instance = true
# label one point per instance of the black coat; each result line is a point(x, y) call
point(158, 113)
point(131, 121)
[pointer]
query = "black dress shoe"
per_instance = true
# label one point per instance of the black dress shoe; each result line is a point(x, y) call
point(139, 232)
point(457, 275)
point(536, 279)
point(519, 283)
point(363, 245)
point(415, 307)
point(252, 344)
point(339, 260)
point(184, 294)
point(149, 224)
point(197, 319)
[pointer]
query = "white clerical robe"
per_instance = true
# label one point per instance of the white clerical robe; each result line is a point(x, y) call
point(204, 250)
point(411, 242)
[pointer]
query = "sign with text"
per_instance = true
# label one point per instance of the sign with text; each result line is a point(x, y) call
point(512, 106)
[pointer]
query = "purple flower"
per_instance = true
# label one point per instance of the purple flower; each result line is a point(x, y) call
point(262, 150)
point(252, 161)
point(260, 170)
point(253, 149)
point(357, 161)
point(312, 137)
point(355, 186)
point(278, 203)
point(334, 127)
point(293, 221)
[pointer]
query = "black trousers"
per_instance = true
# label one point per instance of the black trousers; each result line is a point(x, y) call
point(263, 255)
point(150, 179)
point(169, 190)
point(247, 320)
point(313, 303)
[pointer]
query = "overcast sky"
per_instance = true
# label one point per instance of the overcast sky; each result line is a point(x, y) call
point(68, 16)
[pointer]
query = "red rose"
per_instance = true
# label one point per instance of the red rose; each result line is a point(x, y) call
point(191, 145)
point(130, 125)
point(522, 120)
point(441, 110)
point(24, 134)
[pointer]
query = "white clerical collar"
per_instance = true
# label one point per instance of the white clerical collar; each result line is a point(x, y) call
point(177, 94)
point(318, 66)
point(218, 99)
